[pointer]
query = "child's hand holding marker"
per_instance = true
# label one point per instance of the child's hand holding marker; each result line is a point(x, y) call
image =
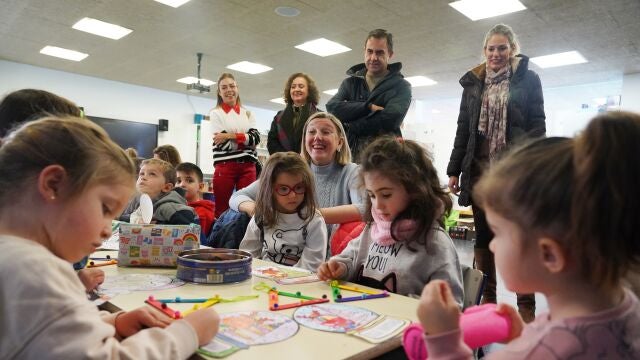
point(91, 278)
point(331, 270)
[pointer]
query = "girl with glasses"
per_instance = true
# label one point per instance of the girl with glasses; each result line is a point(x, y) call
point(287, 227)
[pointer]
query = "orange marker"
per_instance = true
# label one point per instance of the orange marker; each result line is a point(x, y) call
point(95, 264)
point(273, 299)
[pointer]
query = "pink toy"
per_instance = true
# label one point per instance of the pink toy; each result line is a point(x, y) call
point(480, 325)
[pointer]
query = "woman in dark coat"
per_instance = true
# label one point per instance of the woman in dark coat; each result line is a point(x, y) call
point(501, 104)
point(301, 96)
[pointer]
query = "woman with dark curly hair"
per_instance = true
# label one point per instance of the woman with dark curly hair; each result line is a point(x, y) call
point(301, 96)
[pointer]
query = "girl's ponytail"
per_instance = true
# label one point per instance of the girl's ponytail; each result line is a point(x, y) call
point(607, 187)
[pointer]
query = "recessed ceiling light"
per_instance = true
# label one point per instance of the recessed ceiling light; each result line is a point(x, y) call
point(476, 10)
point(323, 47)
point(173, 3)
point(287, 11)
point(249, 67)
point(278, 101)
point(559, 59)
point(102, 28)
point(435, 111)
point(420, 81)
point(63, 53)
point(194, 80)
point(331, 92)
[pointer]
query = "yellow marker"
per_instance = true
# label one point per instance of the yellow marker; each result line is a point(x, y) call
point(214, 300)
point(355, 289)
point(217, 299)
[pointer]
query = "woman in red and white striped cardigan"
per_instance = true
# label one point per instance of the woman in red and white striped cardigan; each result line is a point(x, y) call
point(234, 143)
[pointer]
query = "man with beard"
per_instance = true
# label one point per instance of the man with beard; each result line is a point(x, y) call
point(374, 99)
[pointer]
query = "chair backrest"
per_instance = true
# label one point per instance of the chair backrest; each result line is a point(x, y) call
point(473, 281)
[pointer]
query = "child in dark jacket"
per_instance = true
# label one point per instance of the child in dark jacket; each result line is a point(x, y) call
point(190, 178)
point(157, 179)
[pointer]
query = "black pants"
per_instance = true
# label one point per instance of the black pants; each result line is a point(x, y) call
point(483, 231)
point(484, 235)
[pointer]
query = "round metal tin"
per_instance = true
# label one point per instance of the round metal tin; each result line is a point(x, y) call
point(214, 266)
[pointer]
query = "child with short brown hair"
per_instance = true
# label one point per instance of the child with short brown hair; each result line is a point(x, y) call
point(191, 179)
point(157, 179)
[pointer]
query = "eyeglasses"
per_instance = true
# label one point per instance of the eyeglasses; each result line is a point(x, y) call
point(284, 190)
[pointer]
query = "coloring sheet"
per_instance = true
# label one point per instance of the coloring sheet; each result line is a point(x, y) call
point(285, 275)
point(382, 329)
point(334, 317)
point(255, 327)
point(276, 272)
point(122, 284)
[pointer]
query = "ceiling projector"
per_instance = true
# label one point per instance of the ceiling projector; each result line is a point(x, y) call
point(198, 87)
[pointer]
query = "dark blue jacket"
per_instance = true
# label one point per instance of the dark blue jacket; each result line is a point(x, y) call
point(351, 105)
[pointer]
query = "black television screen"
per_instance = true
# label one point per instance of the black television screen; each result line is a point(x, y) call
point(141, 136)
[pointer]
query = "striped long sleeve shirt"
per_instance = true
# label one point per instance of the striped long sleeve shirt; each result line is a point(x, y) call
point(243, 125)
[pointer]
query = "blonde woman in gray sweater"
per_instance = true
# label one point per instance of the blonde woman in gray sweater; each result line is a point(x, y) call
point(336, 178)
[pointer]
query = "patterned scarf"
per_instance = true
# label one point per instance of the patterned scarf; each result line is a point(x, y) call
point(287, 117)
point(381, 230)
point(493, 111)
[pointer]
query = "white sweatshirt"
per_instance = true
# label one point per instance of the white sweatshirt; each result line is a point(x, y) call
point(46, 314)
point(286, 242)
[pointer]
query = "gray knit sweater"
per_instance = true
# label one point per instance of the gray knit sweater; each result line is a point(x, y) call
point(400, 270)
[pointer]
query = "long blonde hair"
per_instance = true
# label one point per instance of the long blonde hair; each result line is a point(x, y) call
point(343, 155)
point(506, 31)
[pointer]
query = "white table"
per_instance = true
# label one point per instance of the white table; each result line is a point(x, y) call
point(306, 344)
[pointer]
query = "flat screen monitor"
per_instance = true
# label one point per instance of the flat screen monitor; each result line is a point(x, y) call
point(141, 136)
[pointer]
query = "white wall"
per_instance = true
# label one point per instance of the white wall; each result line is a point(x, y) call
point(568, 110)
point(117, 100)
point(631, 92)
point(431, 122)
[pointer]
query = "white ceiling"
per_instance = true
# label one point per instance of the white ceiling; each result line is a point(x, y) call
point(430, 38)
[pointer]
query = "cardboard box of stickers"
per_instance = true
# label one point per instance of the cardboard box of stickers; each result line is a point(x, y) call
point(155, 245)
